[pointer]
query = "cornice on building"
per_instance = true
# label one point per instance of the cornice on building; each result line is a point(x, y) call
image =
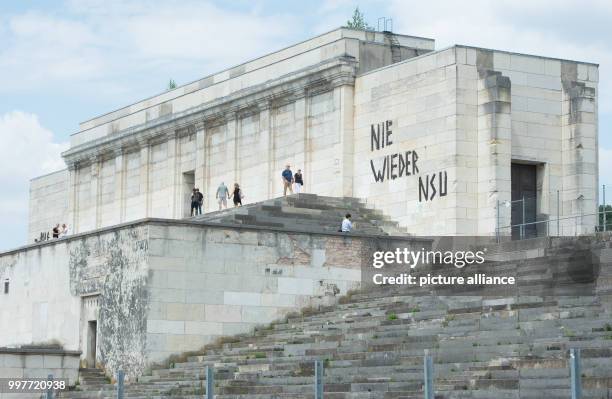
point(283, 90)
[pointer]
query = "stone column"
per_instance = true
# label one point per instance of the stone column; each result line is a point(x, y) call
point(265, 120)
point(145, 192)
point(200, 164)
point(494, 150)
point(119, 201)
point(345, 95)
point(231, 143)
point(173, 180)
point(73, 196)
point(579, 148)
point(301, 119)
point(95, 190)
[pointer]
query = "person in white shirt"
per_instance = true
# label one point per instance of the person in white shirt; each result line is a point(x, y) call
point(222, 195)
point(65, 230)
point(347, 225)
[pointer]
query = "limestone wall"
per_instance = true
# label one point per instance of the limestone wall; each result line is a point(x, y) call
point(38, 363)
point(339, 42)
point(50, 285)
point(469, 113)
point(161, 287)
point(404, 135)
point(430, 140)
point(48, 203)
point(209, 282)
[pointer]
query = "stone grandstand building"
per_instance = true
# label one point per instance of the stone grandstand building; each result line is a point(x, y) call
point(436, 139)
point(411, 140)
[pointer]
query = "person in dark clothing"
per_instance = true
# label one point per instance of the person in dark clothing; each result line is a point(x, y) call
point(299, 181)
point(194, 202)
point(56, 231)
point(200, 201)
point(287, 179)
point(237, 195)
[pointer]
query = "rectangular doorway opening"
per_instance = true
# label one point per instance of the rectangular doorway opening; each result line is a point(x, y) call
point(188, 185)
point(524, 201)
point(92, 332)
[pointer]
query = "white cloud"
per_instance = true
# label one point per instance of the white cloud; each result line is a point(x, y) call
point(569, 29)
point(111, 47)
point(28, 150)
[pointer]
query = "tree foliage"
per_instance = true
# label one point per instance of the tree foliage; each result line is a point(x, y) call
point(358, 21)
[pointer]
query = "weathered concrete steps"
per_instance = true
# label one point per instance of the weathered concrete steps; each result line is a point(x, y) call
point(307, 212)
point(372, 345)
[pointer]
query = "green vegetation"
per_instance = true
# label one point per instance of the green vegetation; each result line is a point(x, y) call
point(391, 316)
point(608, 212)
point(171, 85)
point(358, 21)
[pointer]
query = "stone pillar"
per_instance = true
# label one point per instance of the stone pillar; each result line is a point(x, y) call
point(73, 196)
point(145, 192)
point(579, 196)
point(120, 184)
point(231, 142)
point(345, 95)
point(301, 119)
point(494, 150)
point(95, 190)
point(265, 120)
point(173, 180)
point(200, 165)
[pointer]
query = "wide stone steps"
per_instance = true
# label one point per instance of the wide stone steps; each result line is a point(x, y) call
point(308, 213)
point(372, 345)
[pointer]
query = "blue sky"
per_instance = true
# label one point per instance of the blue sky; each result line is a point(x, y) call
point(63, 62)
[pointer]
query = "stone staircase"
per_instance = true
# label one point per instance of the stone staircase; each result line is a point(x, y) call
point(92, 379)
point(372, 345)
point(307, 213)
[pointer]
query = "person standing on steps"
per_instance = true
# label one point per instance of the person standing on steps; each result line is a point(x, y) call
point(237, 195)
point(194, 202)
point(299, 181)
point(200, 201)
point(64, 231)
point(347, 225)
point(56, 231)
point(222, 195)
point(287, 180)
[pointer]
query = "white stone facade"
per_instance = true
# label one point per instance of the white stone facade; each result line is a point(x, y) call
point(159, 288)
point(458, 117)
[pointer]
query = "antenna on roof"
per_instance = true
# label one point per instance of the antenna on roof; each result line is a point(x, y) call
point(384, 24)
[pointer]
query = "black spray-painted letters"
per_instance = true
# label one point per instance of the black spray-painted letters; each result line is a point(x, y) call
point(401, 164)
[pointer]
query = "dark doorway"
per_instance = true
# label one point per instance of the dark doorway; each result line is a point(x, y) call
point(524, 201)
point(188, 185)
point(92, 330)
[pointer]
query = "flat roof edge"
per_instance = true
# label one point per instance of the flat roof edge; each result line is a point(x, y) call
point(524, 54)
point(244, 63)
point(48, 174)
point(434, 52)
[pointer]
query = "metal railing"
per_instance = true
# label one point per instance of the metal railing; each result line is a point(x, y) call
point(574, 364)
point(529, 222)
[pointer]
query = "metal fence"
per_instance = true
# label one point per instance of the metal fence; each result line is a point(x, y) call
point(543, 216)
point(574, 365)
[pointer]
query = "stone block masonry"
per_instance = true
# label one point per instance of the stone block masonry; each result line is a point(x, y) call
point(431, 139)
point(157, 287)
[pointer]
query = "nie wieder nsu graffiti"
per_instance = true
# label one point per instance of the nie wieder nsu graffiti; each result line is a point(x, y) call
point(403, 164)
